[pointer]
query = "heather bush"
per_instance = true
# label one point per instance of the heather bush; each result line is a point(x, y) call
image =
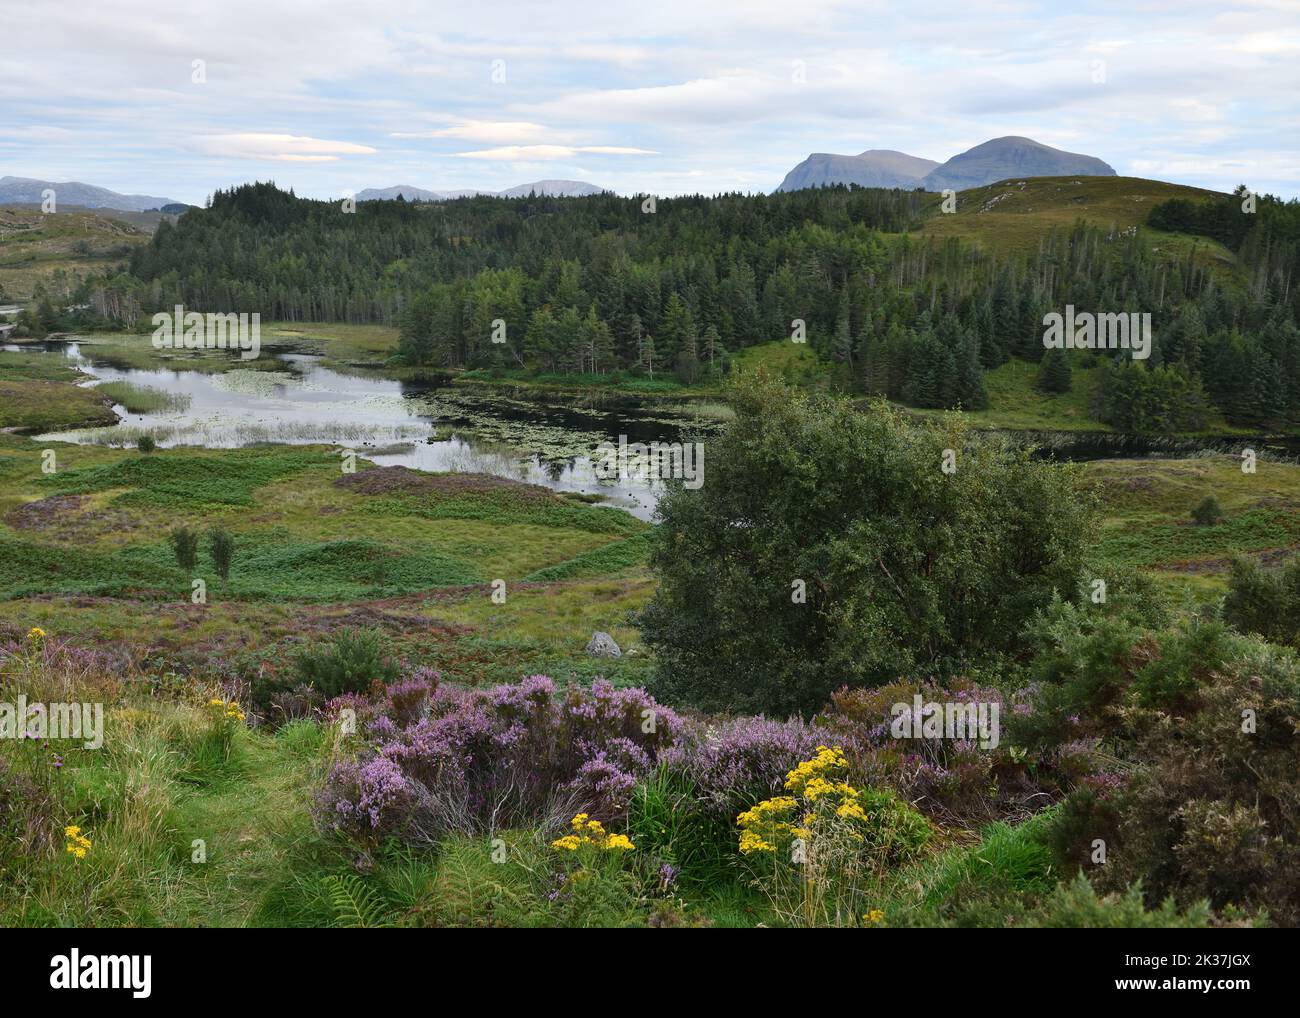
point(953, 780)
point(370, 800)
point(739, 762)
point(481, 760)
point(1202, 798)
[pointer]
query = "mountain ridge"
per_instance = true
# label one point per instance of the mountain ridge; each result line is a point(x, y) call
point(986, 163)
point(29, 191)
point(543, 188)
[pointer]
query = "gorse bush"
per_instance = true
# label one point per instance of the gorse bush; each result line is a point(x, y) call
point(222, 547)
point(1207, 512)
point(1201, 800)
point(185, 545)
point(349, 663)
point(829, 545)
point(1265, 601)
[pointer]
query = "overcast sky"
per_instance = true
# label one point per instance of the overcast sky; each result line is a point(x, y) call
point(660, 96)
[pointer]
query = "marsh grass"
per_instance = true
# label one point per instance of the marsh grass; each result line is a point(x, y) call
point(144, 399)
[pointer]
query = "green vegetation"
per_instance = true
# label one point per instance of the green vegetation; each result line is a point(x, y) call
point(382, 711)
point(143, 399)
point(38, 393)
point(56, 253)
point(922, 557)
point(607, 296)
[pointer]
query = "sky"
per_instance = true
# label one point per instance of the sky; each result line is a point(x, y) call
point(661, 97)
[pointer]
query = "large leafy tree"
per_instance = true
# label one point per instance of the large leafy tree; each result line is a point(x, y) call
point(828, 546)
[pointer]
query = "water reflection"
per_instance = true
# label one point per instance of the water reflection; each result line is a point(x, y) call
point(412, 424)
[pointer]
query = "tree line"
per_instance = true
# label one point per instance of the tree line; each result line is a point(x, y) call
point(677, 286)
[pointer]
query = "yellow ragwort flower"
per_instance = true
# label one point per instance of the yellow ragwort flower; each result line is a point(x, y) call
point(36, 633)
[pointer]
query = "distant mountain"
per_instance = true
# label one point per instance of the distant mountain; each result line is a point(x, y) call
point(1004, 158)
point(27, 191)
point(992, 161)
point(412, 193)
point(544, 188)
point(876, 167)
point(552, 189)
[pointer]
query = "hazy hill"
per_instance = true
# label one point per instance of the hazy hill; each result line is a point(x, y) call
point(998, 159)
point(411, 193)
point(547, 188)
point(27, 190)
point(872, 168)
point(1003, 158)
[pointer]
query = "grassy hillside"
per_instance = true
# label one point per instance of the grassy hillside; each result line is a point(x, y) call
point(40, 394)
point(79, 242)
point(1013, 216)
point(85, 552)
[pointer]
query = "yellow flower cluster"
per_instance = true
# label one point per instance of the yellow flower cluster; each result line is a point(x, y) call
point(592, 832)
point(36, 633)
point(763, 825)
point(827, 761)
point(874, 917)
point(78, 844)
point(814, 781)
point(230, 709)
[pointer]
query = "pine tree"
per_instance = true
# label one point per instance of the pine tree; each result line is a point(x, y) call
point(1054, 372)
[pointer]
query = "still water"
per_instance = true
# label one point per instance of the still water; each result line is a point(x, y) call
point(421, 425)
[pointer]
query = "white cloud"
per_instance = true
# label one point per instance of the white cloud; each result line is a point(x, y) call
point(277, 147)
point(493, 132)
point(520, 153)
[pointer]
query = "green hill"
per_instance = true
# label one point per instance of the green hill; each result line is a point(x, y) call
point(1013, 216)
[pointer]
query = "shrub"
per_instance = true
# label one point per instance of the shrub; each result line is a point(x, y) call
point(1207, 513)
point(829, 844)
point(967, 780)
point(1077, 905)
point(1265, 601)
point(1201, 723)
point(222, 546)
point(828, 546)
point(516, 754)
point(741, 761)
point(349, 663)
point(146, 443)
point(185, 544)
